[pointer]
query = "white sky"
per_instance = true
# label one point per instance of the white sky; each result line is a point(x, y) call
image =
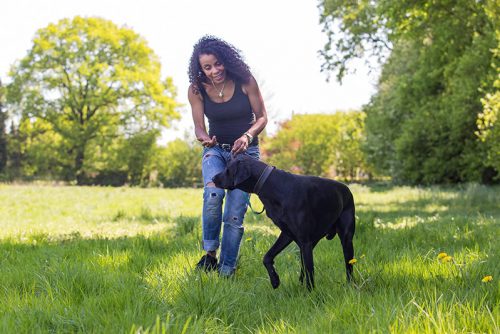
point(279, 39)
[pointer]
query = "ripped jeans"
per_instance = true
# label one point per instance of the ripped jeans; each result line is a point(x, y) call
point(214, 161)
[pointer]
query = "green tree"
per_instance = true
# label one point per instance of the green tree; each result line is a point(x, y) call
point(14, 152)
point(438, 66)
point(488, 121)
point(36, 149)
point(320, 144)
point(3, 132)
point(137, 155)
point(88, 79)
point(179, 164)
point(489, 128)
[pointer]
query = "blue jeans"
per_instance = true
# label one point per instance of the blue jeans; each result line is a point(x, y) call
point(214, 161)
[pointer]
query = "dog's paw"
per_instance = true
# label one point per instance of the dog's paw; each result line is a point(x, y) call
point(275, 280)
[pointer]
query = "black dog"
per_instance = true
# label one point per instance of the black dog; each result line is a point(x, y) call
point(305, 208)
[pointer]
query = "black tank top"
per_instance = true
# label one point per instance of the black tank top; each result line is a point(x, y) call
point(229, 120)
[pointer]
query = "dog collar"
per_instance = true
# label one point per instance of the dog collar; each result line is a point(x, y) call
point(262, 178)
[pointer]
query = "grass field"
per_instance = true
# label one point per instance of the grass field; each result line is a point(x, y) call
point(120, 260)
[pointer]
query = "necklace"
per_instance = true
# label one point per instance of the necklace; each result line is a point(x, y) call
point(221, 92)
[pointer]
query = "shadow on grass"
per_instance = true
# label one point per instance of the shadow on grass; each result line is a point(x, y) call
point(68, 283)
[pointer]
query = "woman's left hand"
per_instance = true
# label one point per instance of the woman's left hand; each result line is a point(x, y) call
point(240, 145)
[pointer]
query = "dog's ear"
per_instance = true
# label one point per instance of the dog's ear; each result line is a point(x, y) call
point(241, 172)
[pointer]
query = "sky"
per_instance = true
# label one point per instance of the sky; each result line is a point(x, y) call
point(279, 39)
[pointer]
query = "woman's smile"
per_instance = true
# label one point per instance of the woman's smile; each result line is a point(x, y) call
point(219, 77)
point(213, 68)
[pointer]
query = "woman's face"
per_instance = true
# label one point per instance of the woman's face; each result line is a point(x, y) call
point(213, 69)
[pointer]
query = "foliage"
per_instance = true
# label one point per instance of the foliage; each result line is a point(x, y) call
point(14, 153)
point(39, 149)
point(354, 28)
point(127, 159)
point(88, 82)
point(3, 132)
point(488, 121)
point(421, 124)
point(489, 127)
point(320, 144)
point(127, 265)
point(179, 164)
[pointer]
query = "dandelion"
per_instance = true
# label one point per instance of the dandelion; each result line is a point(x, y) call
point(362, 256)
point(352, 261)
point(447, 259)
point(487, 279)
point(248, 239)
point(442, 255)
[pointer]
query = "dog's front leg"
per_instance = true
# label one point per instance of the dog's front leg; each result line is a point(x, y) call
point(306, 251)
point(280, 244)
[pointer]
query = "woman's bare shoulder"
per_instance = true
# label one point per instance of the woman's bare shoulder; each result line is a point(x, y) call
point(250, 86)
point(194, 92)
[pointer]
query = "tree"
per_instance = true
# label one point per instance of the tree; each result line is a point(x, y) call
point(354, 29)
point(179, 164)
point(3, 133)
point(489, 130)
point(438, 66)
point(14, 152)
point(320, 144)
point(87, 80)
point(488, 121)
point(34, 151)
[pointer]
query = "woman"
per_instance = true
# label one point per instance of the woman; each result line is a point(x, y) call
point(223, 89)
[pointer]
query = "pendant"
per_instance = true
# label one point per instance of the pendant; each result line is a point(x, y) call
point(221, 94)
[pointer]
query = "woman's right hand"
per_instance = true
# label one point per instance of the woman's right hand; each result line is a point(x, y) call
point(208, 142)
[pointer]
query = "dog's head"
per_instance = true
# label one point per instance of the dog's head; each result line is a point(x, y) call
point(236, 172)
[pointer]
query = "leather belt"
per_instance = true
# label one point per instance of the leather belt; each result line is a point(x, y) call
point(229, 147)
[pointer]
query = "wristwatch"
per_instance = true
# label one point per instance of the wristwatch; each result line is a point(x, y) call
point(249, 137)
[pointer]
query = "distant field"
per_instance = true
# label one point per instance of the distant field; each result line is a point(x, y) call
point(120, 260)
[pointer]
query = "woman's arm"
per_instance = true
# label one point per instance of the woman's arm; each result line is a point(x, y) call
point(197, 112)
point(251, 89)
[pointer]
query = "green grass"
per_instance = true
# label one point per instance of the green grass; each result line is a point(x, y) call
point(120, 260)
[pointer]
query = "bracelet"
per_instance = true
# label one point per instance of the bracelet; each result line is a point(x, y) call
point(249, 137)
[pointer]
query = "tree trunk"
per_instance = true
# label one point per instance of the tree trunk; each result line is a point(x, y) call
point(79, 159)
point(3, 135)
point(3, 140)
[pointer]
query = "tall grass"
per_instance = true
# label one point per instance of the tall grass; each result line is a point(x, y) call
point(120, 260)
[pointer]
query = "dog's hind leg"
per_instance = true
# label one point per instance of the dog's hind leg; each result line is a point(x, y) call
point(280, 244)
point(302, 271)
point(345, 230)
point(306, 252)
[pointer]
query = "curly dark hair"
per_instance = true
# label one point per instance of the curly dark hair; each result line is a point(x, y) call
point(225, 53)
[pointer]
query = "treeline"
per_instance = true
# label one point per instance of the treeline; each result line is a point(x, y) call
point(321, 144)
point(318, 144)
point(87, 103)
point(434, 118)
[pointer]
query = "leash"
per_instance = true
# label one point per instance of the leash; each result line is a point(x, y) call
point(251, 208)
